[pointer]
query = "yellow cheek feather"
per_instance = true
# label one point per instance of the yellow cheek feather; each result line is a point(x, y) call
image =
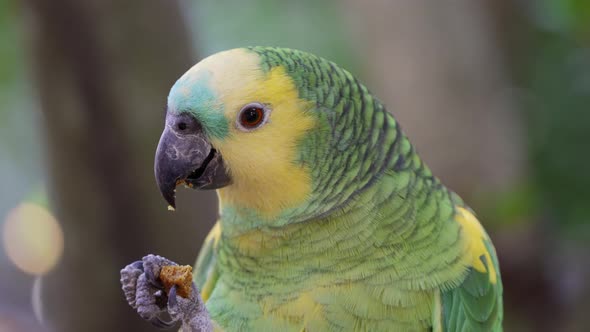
point(262, 163)
point(475, 242)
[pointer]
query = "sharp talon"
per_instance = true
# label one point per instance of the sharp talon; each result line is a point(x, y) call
point(159, 323)
point(149, 274)
point(172, 297)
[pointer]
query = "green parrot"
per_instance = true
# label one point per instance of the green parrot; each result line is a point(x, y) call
point(329, 220)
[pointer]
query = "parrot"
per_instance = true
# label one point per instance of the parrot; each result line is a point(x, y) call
point(328, 218)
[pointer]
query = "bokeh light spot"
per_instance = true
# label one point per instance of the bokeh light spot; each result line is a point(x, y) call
point(33, 239)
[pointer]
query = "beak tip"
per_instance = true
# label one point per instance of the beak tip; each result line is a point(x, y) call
point(170, 199)
point(166, 186)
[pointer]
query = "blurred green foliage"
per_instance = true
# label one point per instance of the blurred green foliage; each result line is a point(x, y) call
point(570, 16)
point(20, 151)
point(556, 77)
point(313, 26)
point(10, 52)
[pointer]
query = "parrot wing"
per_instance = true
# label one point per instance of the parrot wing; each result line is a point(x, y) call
point(476, 304)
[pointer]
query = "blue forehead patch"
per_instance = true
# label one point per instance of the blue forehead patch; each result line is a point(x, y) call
point(192, 94)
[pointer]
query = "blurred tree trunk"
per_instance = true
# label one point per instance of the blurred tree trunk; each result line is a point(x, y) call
point(436, 65)
point(103, 70)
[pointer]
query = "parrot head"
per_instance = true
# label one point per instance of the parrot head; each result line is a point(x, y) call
point(235, 126)
point(281, 134)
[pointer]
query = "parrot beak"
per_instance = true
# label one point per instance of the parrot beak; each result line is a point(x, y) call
point(185, 156)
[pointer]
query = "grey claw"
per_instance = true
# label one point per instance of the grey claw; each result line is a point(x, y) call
point(145, 292)
point(172, 302)
point(159, 323)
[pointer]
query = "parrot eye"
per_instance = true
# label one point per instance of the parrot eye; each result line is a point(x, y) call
point(252, 116)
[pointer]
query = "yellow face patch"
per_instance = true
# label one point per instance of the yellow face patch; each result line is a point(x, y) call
point(262, 162)
point(475, 242)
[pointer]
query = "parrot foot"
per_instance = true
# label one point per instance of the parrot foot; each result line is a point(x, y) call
point(191, 311)
point(145, 292)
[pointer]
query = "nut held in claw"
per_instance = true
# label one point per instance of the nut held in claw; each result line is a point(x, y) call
point(179, 276)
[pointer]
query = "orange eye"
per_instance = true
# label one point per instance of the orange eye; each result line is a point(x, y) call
point(252, 116)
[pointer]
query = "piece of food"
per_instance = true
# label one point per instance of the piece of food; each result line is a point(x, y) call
point(180, 276)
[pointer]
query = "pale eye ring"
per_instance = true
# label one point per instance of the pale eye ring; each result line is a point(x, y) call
point(252, 116)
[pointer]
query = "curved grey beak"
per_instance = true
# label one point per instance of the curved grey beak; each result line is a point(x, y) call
point(185, 156)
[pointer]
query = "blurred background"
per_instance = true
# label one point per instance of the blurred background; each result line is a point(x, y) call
point(494, 94)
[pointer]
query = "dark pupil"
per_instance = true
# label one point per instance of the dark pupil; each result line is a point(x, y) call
point(251, 116)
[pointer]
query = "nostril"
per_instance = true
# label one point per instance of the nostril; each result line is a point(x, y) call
point(182, 123)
